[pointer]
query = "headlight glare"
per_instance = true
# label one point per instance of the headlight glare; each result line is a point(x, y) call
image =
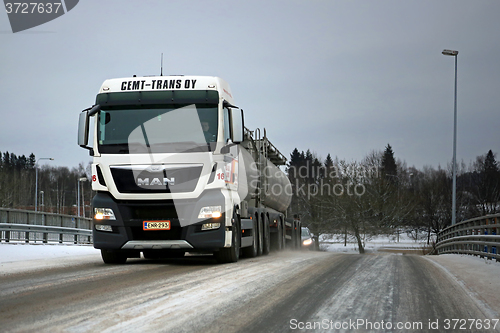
point(210, 212)
point(104, 214)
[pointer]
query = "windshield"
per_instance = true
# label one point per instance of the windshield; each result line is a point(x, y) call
point(172, 129)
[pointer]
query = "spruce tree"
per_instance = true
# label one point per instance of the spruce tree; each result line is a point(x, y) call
point(490, 184)
point(31, 161)
point(328, 162)
point(389, 168)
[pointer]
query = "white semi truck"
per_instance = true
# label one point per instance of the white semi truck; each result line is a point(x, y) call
point(175, 170)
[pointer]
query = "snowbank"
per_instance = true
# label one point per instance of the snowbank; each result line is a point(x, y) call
point(478, 276)
point(331, 243)
point(19, 257)
point(13, 252)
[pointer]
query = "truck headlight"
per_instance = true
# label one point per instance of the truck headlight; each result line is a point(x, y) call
point(209, 212)
point(210, 226)
point(104, 214)
point(104, 227)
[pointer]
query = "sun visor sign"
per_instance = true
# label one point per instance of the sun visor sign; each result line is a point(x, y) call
point(158, 84)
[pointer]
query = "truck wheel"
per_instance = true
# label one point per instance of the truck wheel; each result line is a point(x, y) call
point(260, 230)
point(113, 257)
point(299, 235)
point(231, 254)
point(294, 236)
point(266, 235)
point(252, 251)
point(283, 234)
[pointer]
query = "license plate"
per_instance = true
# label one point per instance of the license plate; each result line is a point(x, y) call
point(156, 225)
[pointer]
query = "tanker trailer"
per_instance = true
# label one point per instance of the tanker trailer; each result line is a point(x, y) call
point(269, 193)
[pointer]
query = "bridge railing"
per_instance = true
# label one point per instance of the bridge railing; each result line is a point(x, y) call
point(31, 226)
point(21, 216)
point(29, 233)
point(478, 236)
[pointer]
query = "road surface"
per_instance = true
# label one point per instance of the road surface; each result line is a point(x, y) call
point(283, 292)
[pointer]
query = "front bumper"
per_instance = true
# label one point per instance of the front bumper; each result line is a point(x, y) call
point(185, 233)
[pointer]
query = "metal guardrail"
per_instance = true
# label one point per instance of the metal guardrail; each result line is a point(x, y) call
point(21, 216)
point(478, 236)
point(29, 232)
point(31, 226)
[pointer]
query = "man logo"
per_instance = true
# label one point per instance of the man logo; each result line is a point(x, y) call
point(155, 182)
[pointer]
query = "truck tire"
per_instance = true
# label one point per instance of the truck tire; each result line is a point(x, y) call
point(283, 234)
point(266, 236)
point(231, 254)
point(113, 257)
point(252, 251)
point(260, 225)
point(293, 241)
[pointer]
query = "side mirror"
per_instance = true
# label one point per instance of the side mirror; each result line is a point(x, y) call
point(237, 125)
point(83, 129)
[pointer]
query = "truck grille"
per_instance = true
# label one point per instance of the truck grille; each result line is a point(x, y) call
point(164, 180)
point(165, 212)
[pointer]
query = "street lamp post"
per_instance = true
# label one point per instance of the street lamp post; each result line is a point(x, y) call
point(82, 179)
point(36, 179)
point(43, 206)
point(454, 189)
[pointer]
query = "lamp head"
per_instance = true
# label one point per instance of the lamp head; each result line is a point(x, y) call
point(450, 52)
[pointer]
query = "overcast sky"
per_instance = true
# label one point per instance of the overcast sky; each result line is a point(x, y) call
point(334, 76)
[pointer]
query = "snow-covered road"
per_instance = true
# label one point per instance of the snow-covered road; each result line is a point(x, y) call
point(64, 288)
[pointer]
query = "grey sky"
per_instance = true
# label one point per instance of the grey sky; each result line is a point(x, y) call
point(335, 76)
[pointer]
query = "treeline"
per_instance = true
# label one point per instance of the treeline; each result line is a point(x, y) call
point(57, 186)
point(382, 196)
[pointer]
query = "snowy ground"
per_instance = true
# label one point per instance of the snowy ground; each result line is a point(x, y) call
point(479, 277)
point(22, 252)
point(333, 243)
point(20, 257)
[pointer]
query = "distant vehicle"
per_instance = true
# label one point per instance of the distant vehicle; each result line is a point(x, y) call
point(307, 239)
